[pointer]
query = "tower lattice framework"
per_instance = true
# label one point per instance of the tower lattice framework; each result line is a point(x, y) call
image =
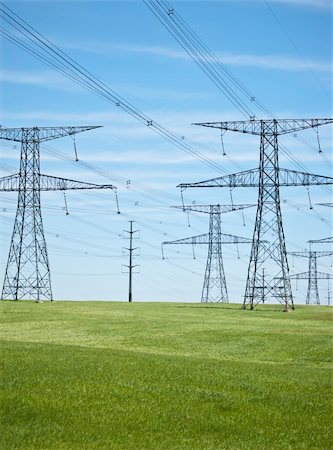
point(27, 272)
point(268, 237)
point(214, 286)
point(312, 294)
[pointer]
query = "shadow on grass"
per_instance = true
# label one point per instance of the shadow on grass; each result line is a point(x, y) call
point(213, 307)
point(271, 308)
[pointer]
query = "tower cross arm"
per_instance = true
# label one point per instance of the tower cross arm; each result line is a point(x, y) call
point(317, 254)
point(49, 183)
point(296, 178)
point(232, 239)
point(328, 240)
point(270, 126)
point(9, 183)
point(300, 276)
point(213, 209)
point(200, 239)
point(205, 239)
point(324, 276)
point(250, 178)
point(305, 276)
point(41, 133)
point(246, 178)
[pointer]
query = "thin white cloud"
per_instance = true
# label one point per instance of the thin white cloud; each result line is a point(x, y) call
point(48, 78)
point(274, 62)
point(53, 80)
point(326, 4)
point(309, 3)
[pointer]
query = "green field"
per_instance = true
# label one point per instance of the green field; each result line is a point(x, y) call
point(100, 375)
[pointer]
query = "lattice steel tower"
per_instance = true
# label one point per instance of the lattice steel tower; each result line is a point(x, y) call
point(268, 238)
point(312, 295)
point(28, 272)
point(215, 286)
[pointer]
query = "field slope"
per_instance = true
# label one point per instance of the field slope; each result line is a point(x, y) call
point(164, 376)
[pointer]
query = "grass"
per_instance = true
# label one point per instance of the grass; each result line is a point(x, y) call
point(98, 375)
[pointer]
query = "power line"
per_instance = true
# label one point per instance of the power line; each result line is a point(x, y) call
point(50, 54)
point(212, 66)
point(287, 35)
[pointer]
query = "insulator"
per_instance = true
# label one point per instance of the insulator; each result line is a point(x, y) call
point(222, 142)
point(117, 203)
point(243, 217)
point(65, 199)
point(310, 204)
point(188, 218)
point(193, 252)
point(75, 150)
point(231, 199)
point(182, 197)
point(318, 141)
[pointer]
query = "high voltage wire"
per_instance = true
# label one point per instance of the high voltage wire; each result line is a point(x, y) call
point(105, 173)
point(109, 175)
point(69, 68)
point(294, 45)
point(132, 185)
point(226, 82)
point(89, 80)
point(50, 54)
point(212, 66)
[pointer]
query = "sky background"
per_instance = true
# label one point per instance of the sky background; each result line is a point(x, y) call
point(280, 50)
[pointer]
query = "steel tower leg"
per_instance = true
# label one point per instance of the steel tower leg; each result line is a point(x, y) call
point(27, 273)
point(214, 287)
point(268, 238)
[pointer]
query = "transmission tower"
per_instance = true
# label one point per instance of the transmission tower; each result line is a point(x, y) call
point(268, 238)
point(28, 271)
point(214, 287)
point(312, 295)
point(130, 250)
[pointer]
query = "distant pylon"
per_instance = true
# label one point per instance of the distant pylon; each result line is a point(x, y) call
point(130, 235)
point(312, 295)
point(28, 272)
point(268, 238)
point(214, 287)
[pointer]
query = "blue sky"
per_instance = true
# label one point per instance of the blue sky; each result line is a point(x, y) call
point(280, 50)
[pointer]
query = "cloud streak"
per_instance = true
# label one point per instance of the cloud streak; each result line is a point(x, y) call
point(271, 62)
point(46, 78)
point(325, 4)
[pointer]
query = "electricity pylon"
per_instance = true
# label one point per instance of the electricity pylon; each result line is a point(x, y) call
point(130, 235)
point(28, 271)
point(312, 295)
point(268, 238)
point(214, 287)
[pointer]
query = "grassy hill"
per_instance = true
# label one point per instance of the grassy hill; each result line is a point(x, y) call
point(164, 376)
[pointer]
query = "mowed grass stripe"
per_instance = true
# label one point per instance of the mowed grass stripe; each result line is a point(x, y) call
point(164, 376)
